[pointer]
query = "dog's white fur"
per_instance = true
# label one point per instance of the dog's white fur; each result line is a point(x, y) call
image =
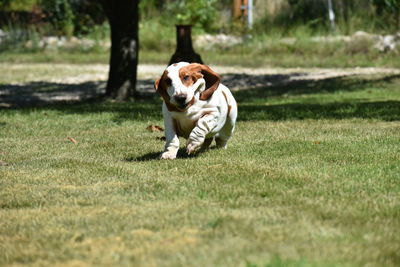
point(196, 106)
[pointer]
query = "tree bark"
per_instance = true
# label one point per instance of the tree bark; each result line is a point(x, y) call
point(123, 18)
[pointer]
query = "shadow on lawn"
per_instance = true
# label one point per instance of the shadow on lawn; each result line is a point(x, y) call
point(34, 94)
point(303, 87)
point(45, 93)
point(248, 99)
point(383, 110)
point(156, 156)
point(250, 109)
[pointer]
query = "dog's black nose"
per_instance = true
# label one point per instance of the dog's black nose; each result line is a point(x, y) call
point(180, 99)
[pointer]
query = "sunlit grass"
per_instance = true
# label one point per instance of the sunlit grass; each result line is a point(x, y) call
point(310, 178)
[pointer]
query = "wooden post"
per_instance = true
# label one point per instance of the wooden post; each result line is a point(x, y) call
point(184, 49)
point(236, 10)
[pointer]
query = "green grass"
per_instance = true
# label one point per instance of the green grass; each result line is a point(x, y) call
point(275, 54)
point(54, 57)
point(261, 50)
point(310, 178)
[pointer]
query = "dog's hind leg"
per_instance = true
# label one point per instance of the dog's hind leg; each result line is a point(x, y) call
point(221, 141)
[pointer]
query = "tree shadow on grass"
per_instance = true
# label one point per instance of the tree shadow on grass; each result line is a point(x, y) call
point(47, 93)
point(286, 87)
point(251, 109)
point(149, 108)
point(80, 98)
point(34, 94)
point(383, 110)
point(238, 81)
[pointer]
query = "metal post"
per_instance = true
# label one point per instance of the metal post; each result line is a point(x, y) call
point(250, 14)
point(331, 16)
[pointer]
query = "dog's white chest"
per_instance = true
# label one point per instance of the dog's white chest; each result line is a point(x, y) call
point(185, 122)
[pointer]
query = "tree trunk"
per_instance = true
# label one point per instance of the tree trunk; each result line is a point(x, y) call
point(184, 49)
point(123, 19)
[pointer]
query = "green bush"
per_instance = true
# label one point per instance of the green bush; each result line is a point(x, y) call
point(66, 17)
point(60, 15)
point(17, 5)
point(199, 13)
point(156, 36)
point(350, 16)
point(390, 9)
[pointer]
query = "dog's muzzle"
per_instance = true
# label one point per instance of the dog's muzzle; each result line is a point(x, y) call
point(181, 100)
point(181, 104)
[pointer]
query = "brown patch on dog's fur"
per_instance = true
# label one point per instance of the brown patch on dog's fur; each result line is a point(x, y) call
point(191, 73)
point(178, 129)
point(161, 86)
point(205, 114)
point(229, 106)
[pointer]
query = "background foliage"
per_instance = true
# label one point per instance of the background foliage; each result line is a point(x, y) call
point(79, 16)
point(28, 21)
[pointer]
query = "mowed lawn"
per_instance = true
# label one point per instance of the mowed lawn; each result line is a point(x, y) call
point(311, 177)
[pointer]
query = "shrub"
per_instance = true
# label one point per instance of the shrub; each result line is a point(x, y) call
point(199, 13)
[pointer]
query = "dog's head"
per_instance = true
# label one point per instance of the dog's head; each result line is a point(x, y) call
point(181, 82)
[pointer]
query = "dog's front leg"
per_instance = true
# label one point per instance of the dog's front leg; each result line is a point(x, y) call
point(172, 140)
point(203, 127)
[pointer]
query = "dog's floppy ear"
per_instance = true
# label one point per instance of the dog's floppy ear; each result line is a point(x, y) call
point(212, 81)
point(157, 83)
point(160, 86)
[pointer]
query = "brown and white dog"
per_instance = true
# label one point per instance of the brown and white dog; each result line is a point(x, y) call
point(196, 106)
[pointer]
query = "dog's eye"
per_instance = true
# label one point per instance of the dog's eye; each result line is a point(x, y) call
point(186, 78)
point(168, 81)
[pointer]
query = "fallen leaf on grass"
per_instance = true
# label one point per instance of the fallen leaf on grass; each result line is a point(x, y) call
point(316, 142)
point(2, 163)
point(73, 140)
point(78, 237)
point(155, 128)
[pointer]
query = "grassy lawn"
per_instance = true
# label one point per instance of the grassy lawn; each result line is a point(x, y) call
point(259, 52)
point(310, 178)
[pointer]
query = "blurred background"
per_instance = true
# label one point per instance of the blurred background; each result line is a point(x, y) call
point(364, 33)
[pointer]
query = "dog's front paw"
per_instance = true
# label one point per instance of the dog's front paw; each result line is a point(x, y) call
point(191, 149)
point(168, 155)
point(193, 146)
